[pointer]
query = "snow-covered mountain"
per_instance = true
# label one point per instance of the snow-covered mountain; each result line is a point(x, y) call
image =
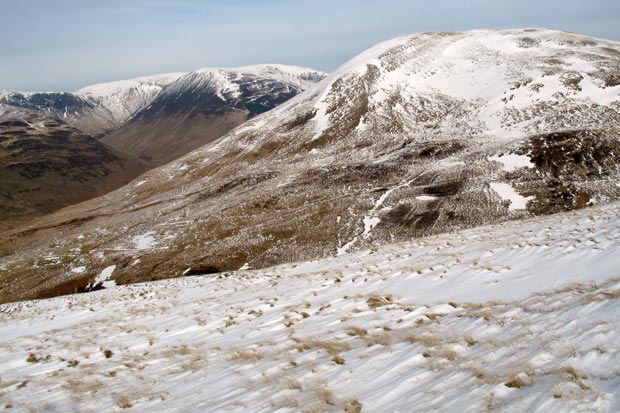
point(172, 113)
point(201, 106)
point(422, 134)
point(94, 109)
point(521, 316)
point(121, 99)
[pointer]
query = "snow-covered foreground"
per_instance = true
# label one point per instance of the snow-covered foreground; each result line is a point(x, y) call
point(523, 316)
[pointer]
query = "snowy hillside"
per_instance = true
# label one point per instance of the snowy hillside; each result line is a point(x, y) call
point(125, 97)
point(301, 77)
point(521, 316)
point(243, 86)
point(204, 105)
point(104, 106)
point(421, 135)
point(507, 79)
point(97, 108)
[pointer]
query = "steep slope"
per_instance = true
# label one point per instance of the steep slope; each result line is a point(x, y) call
point(422, 134)
point(94, 109)
point(202, 106)
point(121, 99)
point(522, 316)
point(45, 165)
point(71, 108)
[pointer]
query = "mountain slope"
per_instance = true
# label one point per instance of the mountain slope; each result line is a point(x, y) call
point(203, 105)
point(122, 99)
point(45, 165)
point(97, 108)
point(420, 135)
point(522, 316)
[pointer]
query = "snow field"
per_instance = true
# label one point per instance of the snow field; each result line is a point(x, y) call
point(521, 316)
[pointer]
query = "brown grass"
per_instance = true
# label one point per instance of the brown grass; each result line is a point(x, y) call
point(425, 339)
point(357, 331)
point(377, 301)
point(577, 377)
point(515, 383)
point(353, 406)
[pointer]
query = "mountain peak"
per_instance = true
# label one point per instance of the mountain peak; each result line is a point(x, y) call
point(107, 89)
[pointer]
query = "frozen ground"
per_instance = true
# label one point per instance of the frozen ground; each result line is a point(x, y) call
point(522, 316)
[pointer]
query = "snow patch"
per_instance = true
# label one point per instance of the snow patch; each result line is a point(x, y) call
point(104, 278)
point(508, 193)
point(512, 161)
point(145, 241)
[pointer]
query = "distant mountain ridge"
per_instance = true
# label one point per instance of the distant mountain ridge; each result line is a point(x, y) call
point(161, 117)
point(94, 109)
point(201, 106)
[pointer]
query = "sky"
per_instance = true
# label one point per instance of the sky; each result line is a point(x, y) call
point(62, 45)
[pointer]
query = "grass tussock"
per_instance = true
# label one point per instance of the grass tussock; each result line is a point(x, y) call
point(357, 331)
point(377, 301)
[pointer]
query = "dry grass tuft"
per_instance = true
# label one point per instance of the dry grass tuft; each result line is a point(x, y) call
point(333, 348)
point(353, 406)
point(515, 383)
point(325, 395)
point(577, 377)
point(382, 339)
point(425, 339)
point(338, 360)
point(377, 301)
point(294, 385)
point(470, 340)
point(123, 402)
point(357, 331)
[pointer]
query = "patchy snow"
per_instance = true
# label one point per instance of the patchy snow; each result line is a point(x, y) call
point(522, 316)
point(426, 198)
point(141, 182)
point(245, 266)
point(501, 80)
point(104, 277)
point(145, 241)
point(369, 224)
point(78, 270)
point(512, 161)
point(371, 219)
point(301, 77)
point(508, 193)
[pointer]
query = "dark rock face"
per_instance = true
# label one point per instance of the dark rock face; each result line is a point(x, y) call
point(570, 168)
point(196, 95)
point(51, 103)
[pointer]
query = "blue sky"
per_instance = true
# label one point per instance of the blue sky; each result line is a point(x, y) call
point(66, 44)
